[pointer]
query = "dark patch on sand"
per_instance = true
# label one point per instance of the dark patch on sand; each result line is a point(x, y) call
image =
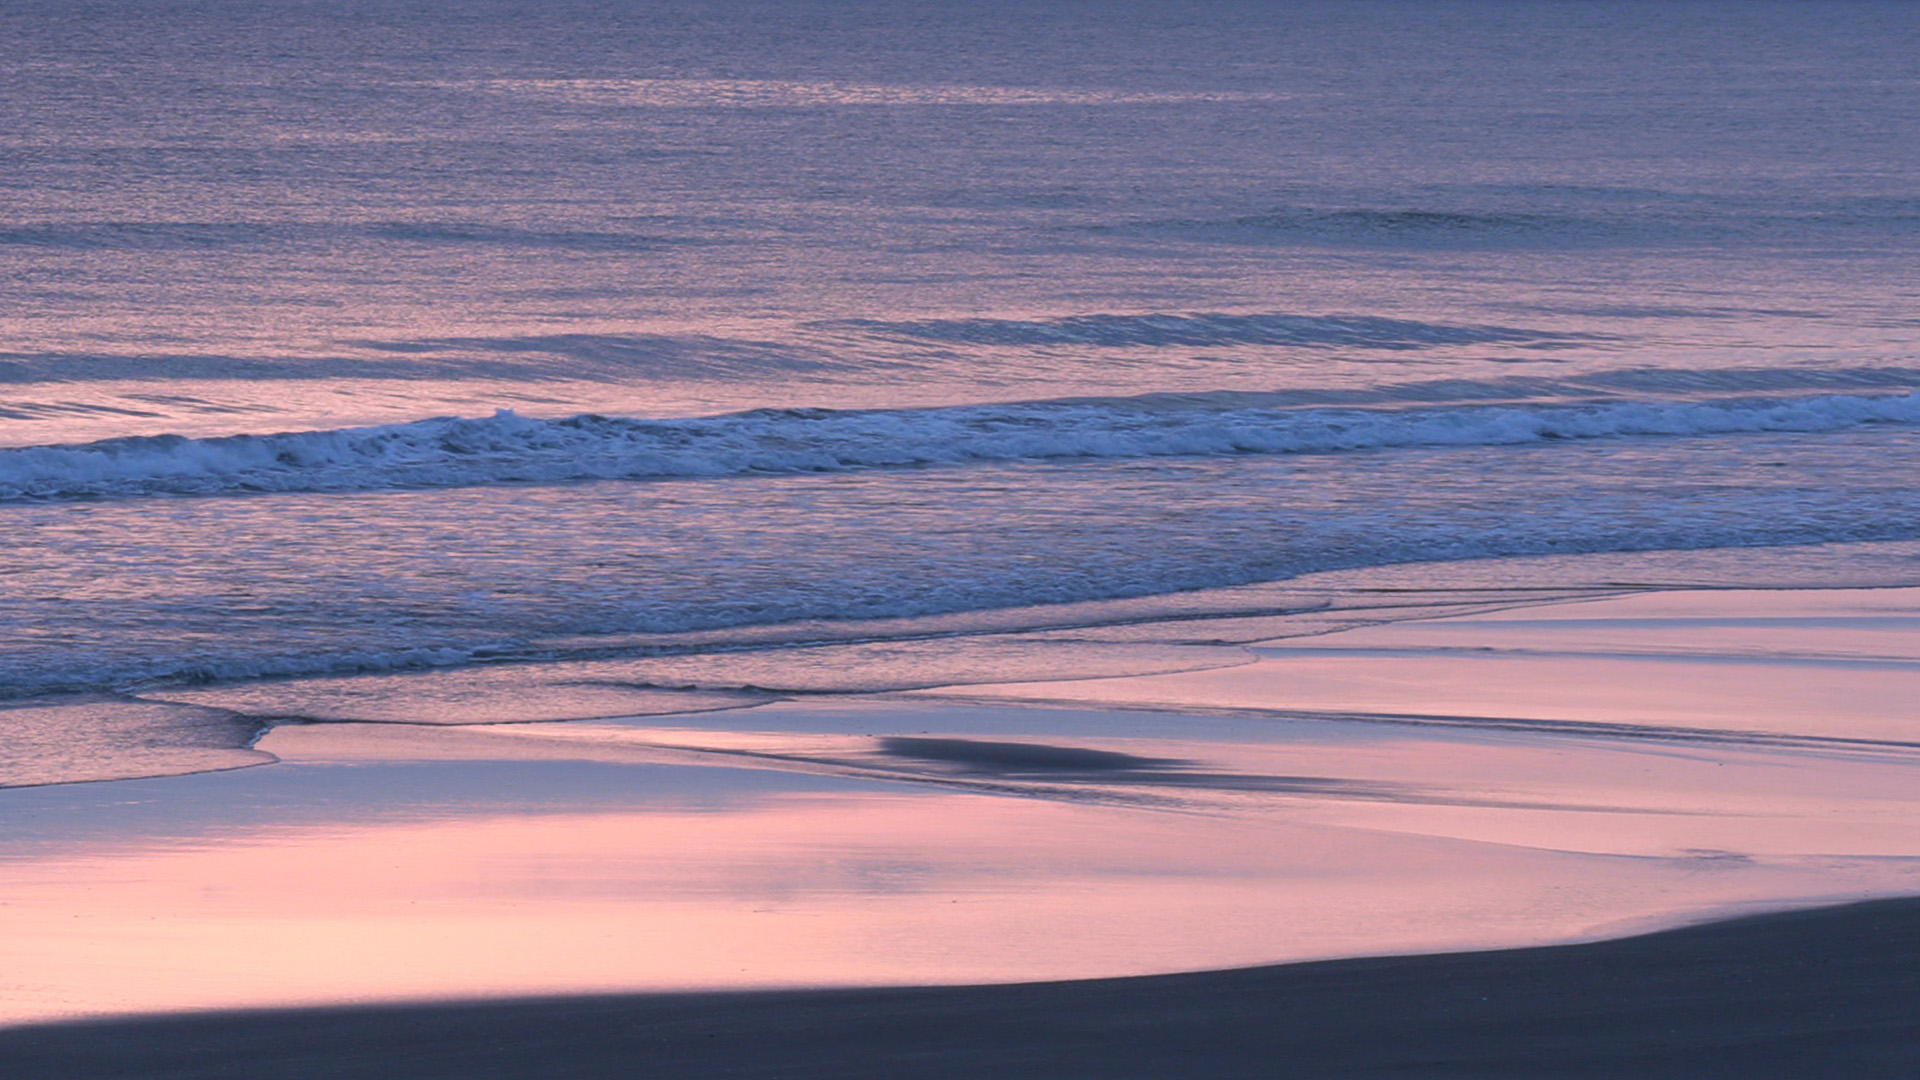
point(1828, 993)
point(1019, 757)
point(976, 759)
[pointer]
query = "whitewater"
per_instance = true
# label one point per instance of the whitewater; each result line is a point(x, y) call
point(508, 448)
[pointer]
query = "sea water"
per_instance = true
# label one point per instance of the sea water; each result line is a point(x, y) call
point(351, 339)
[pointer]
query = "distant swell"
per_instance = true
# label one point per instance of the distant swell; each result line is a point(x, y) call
point(1203, 329)
point(194, 236)
point(1595, 219)
point(508, 448)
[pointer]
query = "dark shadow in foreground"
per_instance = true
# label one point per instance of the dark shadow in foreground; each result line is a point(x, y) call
point(1834, 992)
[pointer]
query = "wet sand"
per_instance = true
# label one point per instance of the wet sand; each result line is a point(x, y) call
point(1824, 993)
point(1495, 781)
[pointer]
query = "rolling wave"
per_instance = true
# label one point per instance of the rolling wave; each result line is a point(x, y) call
point(1203, 329)
point(1411, 227)
point(1651, 219)
point(199, 236)
point(532, 357)
point(508, 448)
point(618, 355)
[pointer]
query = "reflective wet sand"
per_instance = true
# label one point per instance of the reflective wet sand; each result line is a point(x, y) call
point(1312, 804)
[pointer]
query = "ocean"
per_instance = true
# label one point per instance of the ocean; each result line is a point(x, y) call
point(349, 340)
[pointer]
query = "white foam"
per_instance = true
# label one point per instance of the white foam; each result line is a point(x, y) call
point(509, 448)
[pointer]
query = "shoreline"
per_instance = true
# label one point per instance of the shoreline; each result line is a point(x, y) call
point(1826, 991)
point(1280, 812)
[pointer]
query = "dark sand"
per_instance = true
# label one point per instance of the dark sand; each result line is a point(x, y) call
point(1811, 994)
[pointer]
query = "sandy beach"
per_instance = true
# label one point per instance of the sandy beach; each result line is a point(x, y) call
point(1494, 780)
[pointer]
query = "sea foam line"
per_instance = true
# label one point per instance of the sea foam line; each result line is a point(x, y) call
point(509, 448)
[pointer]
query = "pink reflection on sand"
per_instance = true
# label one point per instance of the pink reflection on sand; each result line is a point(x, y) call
point(1191, 844)
point(1613, 796)
point(789, 891)
point(1832, 663)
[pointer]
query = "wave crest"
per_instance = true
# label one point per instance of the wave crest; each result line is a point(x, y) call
point(509, 448)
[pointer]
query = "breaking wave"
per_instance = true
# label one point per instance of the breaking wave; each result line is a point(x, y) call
point(508, 448)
